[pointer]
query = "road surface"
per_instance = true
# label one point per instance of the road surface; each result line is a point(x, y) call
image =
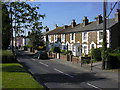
point(52, 74)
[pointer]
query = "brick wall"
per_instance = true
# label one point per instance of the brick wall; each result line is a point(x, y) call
point(75, 59)
point(78, 37)
point(52, 38)
point(67, 38)
point(92, 36)
point(63, 57)
point(115, 37)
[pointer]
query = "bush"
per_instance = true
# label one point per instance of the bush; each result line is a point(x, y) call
point(62, 51)
point(69, 52)
point(7, 56)
point(55, 50)
point(114, 60)
point(117, 50)
point(96, 53)
point(52, 49)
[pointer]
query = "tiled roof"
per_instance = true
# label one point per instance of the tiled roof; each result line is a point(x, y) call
point(44, 33)
point(92, 26)
point(56, 30)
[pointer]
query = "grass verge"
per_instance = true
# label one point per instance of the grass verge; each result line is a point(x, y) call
point(15, 76)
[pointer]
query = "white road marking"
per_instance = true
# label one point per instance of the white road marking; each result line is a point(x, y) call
point(93, 86)
point(33, 59)
point(30, 71)
point(43, 64)
point(18, 60)
point(63, 73)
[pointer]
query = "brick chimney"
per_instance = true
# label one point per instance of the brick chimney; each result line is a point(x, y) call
point(65, 26)
point(85, 21)
point(56, 26)
point(73, 23)
point(117, 15)
point(47, 29)
point(99, 19)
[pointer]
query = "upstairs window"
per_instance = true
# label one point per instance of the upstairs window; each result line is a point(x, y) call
point(55, 37)
point(100, 35)
point(85, 36)
point(63, 37)
point(49, 37)
point(72, 36)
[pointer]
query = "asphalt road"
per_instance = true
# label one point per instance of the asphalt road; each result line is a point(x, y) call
point(53, 74)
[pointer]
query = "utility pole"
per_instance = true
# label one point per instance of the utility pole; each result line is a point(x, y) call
point(104, 35)
point(104, 31)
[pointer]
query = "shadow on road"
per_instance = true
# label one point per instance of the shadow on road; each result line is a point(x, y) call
point(61, 78)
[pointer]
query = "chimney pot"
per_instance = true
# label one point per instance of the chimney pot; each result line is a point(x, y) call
point(65, 26)
point(117, 10)
point(85, 21)
point(99, 19)
point(56, 26)
point(117, 15)
point(47, 29)
point(73, 23)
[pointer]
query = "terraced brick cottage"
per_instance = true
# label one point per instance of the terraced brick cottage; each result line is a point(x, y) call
point(80, 38)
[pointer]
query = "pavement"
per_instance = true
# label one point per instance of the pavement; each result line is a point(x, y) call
point(56, 73)
point(96, 68)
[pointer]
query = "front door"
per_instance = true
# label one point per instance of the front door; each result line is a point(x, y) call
point(78, 50)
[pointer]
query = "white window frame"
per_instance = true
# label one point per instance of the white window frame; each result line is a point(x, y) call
point(101, 40)
point(91, 45)
point(83, 37)
point(45, 38)
point(108, 38)
point(98, 38)
point(83, 48)
point(62, 37)
point(68, 45)
point(71, 38)
point(55, 38)
point(49, 38)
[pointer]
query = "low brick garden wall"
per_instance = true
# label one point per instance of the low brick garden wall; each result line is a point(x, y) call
point(63, 57)
point(75, 59)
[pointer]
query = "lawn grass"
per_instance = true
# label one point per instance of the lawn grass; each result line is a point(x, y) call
point(15, 76)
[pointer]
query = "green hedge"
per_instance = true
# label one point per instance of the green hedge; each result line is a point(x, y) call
point(114, 60)
point(55, 50)
point(7, 56)
point(64, 52)
point(96, 54)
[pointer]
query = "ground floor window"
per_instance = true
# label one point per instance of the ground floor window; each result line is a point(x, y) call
point(78, 49)
point(85, 49)
point(92, 46)
point(73, 48)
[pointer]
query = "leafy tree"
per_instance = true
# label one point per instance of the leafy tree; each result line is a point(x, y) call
point(24, 16)
point(5, 27)
point(36, 37)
